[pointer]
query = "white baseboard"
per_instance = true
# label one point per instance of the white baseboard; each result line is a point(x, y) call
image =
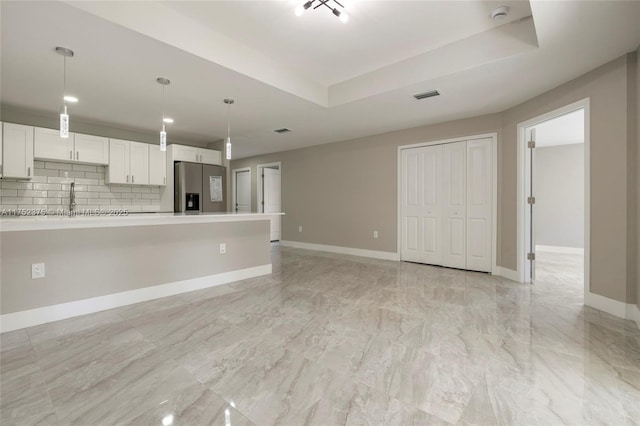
point(633, 313)
point(619, 309)
point(384, 255)
point(506, 273)
point(563, 250)
point(31, 317)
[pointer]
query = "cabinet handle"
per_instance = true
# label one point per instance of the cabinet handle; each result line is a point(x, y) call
point(164, 180)
point(28, 171)
point(133, 178)
point(77, 155)
point(127, 178)
point(70, 154)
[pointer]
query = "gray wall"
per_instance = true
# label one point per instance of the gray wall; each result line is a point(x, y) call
point(341, 192)
point(637, 261)
point(84, 263)
point(559, 191)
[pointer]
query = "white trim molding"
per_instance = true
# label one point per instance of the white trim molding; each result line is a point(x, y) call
point(383, 255)
point(616, 308)
point(507, 273)
point(633, 313)
point(523, 215)
point(46, 314)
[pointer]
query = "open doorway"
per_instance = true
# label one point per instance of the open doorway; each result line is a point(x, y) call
point(269, 195)
point(241, 190)
point(553, 194)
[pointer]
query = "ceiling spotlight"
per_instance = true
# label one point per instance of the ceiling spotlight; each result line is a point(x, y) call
point(167, 120)
point(71, 99)
point(340, 14)
point(500, 12)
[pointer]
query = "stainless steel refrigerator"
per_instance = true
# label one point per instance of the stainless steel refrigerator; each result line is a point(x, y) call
point(199, 188)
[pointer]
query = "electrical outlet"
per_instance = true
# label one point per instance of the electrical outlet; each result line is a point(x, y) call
point(223, 248)
point(37, 270)
point(299, 228)
point(375, 234)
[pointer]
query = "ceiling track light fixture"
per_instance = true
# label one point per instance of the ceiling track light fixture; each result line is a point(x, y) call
point(227, 141)
point(64, 116)
point(327, 3)
point(163, 133)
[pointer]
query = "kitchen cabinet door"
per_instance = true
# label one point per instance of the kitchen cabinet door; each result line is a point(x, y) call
point(48, 145)
point(186, 153)
point(118, 170)
point(139, 163)
point(210, 156)
point(91, 149)
point(17, 151)
point(157, 166)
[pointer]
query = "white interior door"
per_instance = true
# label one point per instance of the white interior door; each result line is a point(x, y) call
point(272, 199)
point(479, 204)
point(454, 204)
point(243, 191)
point(421, 205)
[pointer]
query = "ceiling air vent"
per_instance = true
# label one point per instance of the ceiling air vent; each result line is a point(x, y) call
point(426, 95)
point(283, 130)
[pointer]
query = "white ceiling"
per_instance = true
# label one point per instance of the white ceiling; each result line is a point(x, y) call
point(564, 130)
point(329, 92)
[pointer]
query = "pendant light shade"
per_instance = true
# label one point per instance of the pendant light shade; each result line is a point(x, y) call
point(227, 144)
point(64, 115)
point(163, 133)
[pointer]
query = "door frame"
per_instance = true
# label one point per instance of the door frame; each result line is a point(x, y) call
point(233, 186)
point(259, 182)
point(495, 270)
point(524, 215)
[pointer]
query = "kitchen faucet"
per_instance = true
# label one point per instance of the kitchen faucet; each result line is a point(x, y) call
point(72, 197)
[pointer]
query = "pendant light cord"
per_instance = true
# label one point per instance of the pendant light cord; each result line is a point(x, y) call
point(163, 104)
point(229, 120)
point(64, 81)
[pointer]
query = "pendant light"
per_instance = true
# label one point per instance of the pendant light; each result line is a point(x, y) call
point(163, 133)
point(229, 102)
point(64, 116)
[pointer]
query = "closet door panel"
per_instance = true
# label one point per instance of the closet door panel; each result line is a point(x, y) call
point(479, 204)
point(432, 208)
point(454, 204)
point(412, 200)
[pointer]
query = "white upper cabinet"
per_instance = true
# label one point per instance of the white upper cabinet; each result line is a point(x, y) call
point(196, 155)
point(118, 170)
point(209, 156)
point(139, 163)
point(91, 149)
point(77, 148)
point(129, 163)
point(48, 145)
point(185, 153)
point(157, 166)
point(17, 151)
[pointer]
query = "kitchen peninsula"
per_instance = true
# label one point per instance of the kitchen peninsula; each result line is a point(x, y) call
point(92, 264)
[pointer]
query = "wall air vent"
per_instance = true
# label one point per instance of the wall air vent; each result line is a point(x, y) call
point(283, 130)
point(426, 95)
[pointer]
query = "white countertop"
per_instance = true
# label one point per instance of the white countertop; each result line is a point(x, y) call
point(39, 223)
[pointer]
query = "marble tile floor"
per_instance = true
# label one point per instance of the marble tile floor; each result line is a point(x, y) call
point(331, 340)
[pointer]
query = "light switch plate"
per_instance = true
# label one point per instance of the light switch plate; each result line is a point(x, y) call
point(223, 248)
point(299, 228)
point(375, 234)
point(37, 270)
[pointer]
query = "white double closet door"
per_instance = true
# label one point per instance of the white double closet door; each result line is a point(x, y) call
point(446, 205)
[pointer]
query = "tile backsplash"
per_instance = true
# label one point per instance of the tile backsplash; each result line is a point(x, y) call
point(49, 189)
